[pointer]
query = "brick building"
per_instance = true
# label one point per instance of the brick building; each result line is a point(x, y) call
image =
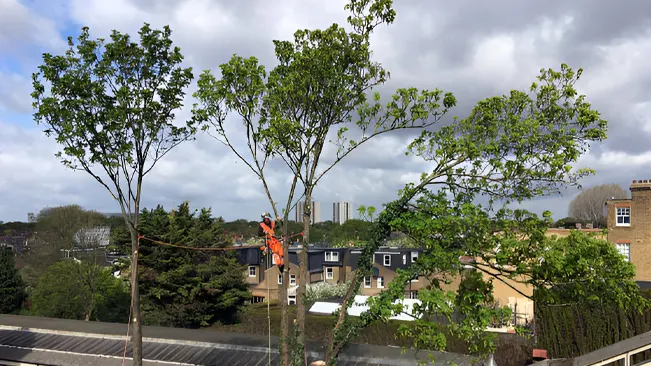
point(629, 227)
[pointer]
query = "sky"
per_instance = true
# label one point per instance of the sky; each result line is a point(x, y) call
point(473, 49)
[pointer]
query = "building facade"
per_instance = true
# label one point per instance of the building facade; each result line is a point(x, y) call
point(342, 211)
point(315, 214)
point(629, 227)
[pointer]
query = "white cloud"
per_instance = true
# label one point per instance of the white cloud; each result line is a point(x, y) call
point(427, 46)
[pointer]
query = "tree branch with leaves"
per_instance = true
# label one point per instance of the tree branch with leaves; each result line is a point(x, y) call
point(509, 149)
point(111, 106)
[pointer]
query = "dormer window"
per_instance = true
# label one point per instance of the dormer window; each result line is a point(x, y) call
point(387, 260)
point(414, 256)
point(623, 216)
point(332, 256)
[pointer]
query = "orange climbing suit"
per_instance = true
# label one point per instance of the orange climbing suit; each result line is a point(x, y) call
point(273, 243)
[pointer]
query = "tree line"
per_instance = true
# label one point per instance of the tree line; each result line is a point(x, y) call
point(178, 288)
point(111, 104)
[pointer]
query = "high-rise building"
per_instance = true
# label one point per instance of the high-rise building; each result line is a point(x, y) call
point(315, 215)
point(342, 211)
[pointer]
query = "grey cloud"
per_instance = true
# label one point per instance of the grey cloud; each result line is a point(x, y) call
point(428, 46)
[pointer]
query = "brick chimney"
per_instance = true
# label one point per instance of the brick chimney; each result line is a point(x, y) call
point(641, 185)
point(641, 188)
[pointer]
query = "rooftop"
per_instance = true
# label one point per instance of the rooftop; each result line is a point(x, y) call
point(51, 341)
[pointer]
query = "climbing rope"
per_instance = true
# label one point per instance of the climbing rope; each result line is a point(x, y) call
point(162, 243)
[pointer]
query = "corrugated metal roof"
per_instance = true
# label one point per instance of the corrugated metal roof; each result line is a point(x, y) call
point(166, 351)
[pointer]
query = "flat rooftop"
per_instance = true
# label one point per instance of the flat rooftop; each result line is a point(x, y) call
point(48, 341)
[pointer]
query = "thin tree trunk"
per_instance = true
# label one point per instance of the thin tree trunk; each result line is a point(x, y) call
point(136, 337)
point(303, 263)
point(284, 326)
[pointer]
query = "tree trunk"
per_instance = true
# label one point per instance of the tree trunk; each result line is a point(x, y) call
point(136, 337)
point(303, 263)
point(284, 321)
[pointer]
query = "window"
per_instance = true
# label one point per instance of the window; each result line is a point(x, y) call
point(387, 260)
point(332, 256)
point(404, 259)
point(415, 278)
point(330, 273)
point(291, 300)
point(414, 256)
point(367, 282)
point(280, 279)
point(380, 282)
point(623, 216)
point(252, 271)
point(625, 250)
point(292, 280)
point(413, 294)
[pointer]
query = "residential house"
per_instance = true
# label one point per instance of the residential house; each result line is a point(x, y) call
point(330, 265)
point(629, 227)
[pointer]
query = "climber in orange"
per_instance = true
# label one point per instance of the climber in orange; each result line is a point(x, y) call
point(266, 229)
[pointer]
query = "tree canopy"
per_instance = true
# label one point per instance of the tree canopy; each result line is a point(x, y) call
point(510, 148)
point(590, 205)
point(186, 288)
point(81, 290)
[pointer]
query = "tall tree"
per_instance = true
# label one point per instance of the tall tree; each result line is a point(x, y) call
point(111, 106)
point(509, 149)
point(12, 287)
point(589, 205)
point(319, 87)
point(243, 90)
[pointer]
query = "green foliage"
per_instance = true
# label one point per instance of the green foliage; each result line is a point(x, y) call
point(82, 291)
point(112, 104)
point(366, 213)
point(510, 148)
point(186, 288)
point(58, 228)
point(576, 329)
point(12, 287)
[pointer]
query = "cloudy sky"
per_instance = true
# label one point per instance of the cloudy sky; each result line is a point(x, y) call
point(474, 49)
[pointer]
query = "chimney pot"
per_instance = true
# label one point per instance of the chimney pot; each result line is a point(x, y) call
point(634, 181)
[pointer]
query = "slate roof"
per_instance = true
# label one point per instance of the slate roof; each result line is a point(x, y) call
point(72, 342)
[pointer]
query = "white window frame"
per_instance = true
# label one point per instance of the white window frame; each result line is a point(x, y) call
point(280, 279)
point(332, 256)
point(330, 275)
point(367, 280)
point(414, 256)
point(621, 214)
point(255, 271)
point(404, 259)
point(291, 300)
point(625, 250)
point(380, 282)
point(384, 260)
point(413, 294)
point(292, 280)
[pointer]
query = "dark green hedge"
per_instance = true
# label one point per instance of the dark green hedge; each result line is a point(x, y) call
point(571, 331)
